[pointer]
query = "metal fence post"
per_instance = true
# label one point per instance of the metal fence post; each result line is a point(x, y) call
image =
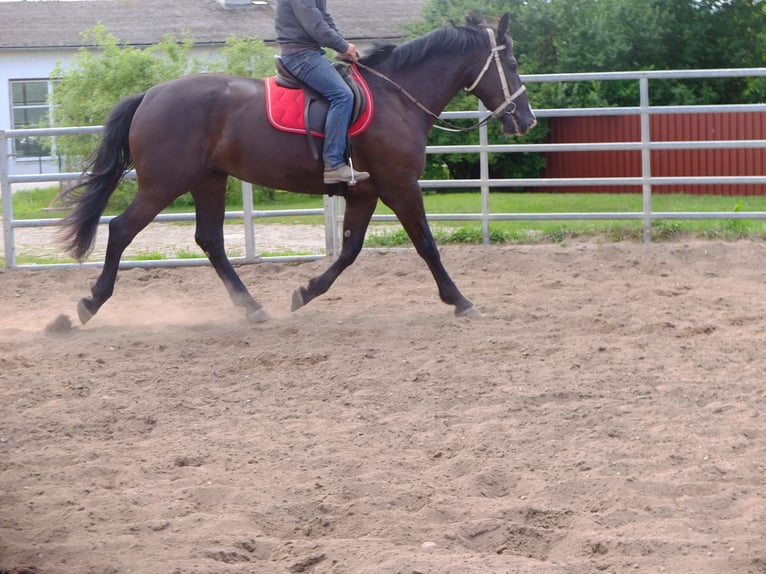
point(7, 199)
point(247, 215)
point(484, 175)
point(646, 158)
point(332, 207)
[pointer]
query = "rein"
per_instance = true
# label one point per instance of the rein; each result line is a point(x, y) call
point(448, 126)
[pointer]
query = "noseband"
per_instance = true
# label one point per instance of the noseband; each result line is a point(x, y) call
point(494, 54)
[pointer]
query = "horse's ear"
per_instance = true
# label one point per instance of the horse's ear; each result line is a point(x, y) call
point(502, 27)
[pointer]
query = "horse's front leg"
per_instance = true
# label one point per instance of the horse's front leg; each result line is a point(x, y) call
point(359, 210)
point(409, 208)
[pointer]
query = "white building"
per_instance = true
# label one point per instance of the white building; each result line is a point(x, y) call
point(35, 35)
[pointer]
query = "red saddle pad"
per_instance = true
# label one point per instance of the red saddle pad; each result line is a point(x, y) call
point(284, 107)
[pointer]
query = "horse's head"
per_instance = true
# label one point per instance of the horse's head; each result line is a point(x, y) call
point(499, 86)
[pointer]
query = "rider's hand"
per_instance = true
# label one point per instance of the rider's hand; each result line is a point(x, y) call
point(351, 54)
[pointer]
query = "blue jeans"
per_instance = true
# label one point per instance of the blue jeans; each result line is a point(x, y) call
point(311, 67)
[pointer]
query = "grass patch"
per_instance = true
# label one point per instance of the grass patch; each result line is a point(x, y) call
point(467, 234)
point(186, 254)
point(38, 260)
point(151, 256)
point(37, 203)
point(40, 203)
point(286, 253)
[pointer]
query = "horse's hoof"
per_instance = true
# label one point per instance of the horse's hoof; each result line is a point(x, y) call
point(470, 312)
point(259, 315)
point(298, 301)
point(83, 312)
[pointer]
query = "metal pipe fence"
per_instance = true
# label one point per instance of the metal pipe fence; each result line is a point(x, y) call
point(333, 206)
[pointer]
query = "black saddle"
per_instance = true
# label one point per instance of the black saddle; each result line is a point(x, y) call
point(315, 111)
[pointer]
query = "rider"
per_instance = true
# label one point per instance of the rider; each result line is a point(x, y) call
point(303, 28)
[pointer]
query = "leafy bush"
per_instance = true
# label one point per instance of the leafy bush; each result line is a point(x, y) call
point(96, 79)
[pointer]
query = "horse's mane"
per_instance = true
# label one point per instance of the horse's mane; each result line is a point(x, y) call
point(445, 40)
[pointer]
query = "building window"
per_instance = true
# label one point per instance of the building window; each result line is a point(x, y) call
point(30, 109)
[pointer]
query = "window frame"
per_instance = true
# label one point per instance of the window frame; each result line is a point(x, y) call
point(45, 151)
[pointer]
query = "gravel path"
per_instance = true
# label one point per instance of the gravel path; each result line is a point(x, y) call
point(172, 239)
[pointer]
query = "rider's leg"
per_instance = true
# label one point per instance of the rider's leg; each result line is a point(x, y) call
point(315, 70)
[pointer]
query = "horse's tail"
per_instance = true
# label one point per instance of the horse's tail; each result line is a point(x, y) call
point(104, 172)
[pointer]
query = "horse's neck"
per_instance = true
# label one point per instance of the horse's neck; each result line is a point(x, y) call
point(433, 83)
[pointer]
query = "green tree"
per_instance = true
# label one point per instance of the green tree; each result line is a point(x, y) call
point(622, 35)
point(244, 56)
point(87, 89)
point(618, 35)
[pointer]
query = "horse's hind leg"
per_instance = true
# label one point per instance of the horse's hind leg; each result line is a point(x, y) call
point(122, 230)
point(408, 207)
point(210, 203)
point(357, 216)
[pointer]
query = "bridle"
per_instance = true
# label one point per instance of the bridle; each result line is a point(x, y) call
point(494, 55)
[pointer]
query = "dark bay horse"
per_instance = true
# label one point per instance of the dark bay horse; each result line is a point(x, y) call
point(191, 134)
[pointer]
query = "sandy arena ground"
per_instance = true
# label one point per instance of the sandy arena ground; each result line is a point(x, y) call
point(606, 414)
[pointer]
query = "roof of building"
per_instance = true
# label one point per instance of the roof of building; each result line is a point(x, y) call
point(27, 25)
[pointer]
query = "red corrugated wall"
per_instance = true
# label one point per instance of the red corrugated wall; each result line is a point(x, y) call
point(666, 163)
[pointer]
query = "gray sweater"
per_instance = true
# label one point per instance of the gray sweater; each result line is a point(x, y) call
point(306, 24)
